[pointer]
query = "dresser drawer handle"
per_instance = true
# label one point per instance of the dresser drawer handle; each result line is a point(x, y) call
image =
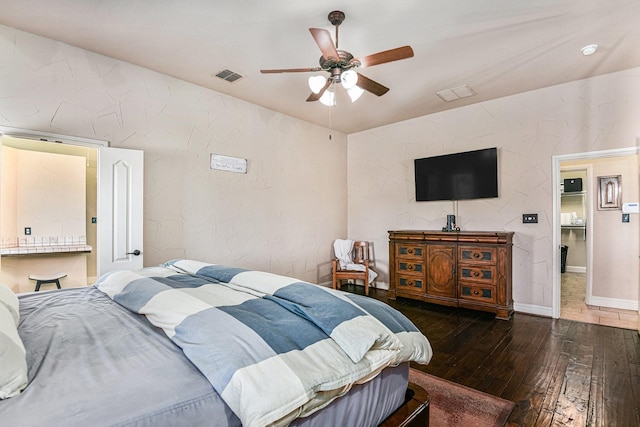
point(476, 273)
point(410, 267)
point(476, 255)
point(476, 292)
point(410, 282)
point(409, 251)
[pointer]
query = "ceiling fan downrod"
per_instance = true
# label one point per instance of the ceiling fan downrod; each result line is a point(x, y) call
point(336, 17)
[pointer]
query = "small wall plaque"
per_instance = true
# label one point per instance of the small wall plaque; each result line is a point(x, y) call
point(229, 164)
point(609, 192)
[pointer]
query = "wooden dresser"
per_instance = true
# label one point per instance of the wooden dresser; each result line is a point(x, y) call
point(460, 269)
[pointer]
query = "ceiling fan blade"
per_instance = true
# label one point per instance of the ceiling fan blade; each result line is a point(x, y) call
point(291, 70)
point(317, 96)
point(325, 43)
point(391, 55)
point(371, 85)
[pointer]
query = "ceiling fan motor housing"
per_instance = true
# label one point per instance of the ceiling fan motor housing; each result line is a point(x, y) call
point(345, 61)
point(336, 17)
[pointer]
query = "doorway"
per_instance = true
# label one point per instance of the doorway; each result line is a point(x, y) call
point(585, 229)
point(48, 202)
point(112, 221)
point(576, 222)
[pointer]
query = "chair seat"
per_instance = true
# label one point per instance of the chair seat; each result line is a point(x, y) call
point(48, 278)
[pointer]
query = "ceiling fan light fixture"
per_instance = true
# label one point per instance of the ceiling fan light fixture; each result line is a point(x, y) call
point(355, 92)
point(316, 83)
point(328, 98)
point(349, 79)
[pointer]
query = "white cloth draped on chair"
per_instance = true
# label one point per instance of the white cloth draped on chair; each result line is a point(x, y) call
point(343, 249)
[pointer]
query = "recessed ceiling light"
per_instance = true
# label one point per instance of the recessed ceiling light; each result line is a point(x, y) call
point(589, 49)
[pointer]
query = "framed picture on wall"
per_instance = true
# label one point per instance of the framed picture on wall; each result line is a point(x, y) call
point(609, 192)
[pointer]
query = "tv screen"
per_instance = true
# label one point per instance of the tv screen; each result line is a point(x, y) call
point(459, 176)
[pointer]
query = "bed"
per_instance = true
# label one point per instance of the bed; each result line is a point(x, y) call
point(190, 343)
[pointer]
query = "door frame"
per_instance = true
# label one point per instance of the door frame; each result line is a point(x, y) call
point(557, 238)
point(52, 137)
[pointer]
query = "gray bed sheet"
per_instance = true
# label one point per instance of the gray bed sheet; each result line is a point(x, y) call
point(94, 363)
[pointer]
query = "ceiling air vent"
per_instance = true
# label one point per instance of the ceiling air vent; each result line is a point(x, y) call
point(229, 75)
point(452, 94)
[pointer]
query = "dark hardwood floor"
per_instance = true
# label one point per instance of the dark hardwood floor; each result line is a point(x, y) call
point(558, 372)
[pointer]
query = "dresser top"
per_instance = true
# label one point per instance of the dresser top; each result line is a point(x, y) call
point(454, 236)
point(491, 233)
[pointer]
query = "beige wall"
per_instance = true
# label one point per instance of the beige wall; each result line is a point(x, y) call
point(282, 216)
point(8, 192)
point(529, 129)
point(49, 195)
point(615, 243)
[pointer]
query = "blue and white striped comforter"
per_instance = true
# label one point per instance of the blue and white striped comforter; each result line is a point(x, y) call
point(273, 347)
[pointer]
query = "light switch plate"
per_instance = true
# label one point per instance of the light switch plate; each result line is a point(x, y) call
point(530, 218)
point(625, 217)
point(27, 231)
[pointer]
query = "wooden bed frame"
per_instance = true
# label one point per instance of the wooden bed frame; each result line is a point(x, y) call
point(414, 412)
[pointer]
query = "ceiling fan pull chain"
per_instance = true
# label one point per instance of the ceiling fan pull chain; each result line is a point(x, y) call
point(330, 124)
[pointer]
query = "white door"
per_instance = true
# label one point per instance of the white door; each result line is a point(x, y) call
point(120, 217)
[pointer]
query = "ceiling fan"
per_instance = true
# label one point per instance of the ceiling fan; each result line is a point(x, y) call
point(341, 66)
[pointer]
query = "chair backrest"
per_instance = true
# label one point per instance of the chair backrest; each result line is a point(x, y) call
point(360, 252)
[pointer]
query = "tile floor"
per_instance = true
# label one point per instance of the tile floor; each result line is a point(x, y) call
point(573, 306)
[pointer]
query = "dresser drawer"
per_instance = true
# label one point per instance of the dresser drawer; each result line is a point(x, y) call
point(485, 274)
point(411, 284)
point(473, 292)
point(476, 255)
point(407, 266)
point(409, 251)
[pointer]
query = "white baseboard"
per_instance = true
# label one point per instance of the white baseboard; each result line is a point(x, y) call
point(537, 310)
point(620, 304)
point(381, 285)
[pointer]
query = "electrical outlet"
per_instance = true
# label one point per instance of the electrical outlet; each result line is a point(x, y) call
point(625, 217)
point(529, 218)
point(27, 231)
point(94, 220)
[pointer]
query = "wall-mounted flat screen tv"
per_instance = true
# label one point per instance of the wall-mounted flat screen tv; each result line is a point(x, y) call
point(458, 176)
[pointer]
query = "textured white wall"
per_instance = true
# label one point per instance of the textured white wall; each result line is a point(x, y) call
point(282, 216)
point(528, 129)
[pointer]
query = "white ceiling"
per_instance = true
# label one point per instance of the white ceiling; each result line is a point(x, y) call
point(497, 47)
